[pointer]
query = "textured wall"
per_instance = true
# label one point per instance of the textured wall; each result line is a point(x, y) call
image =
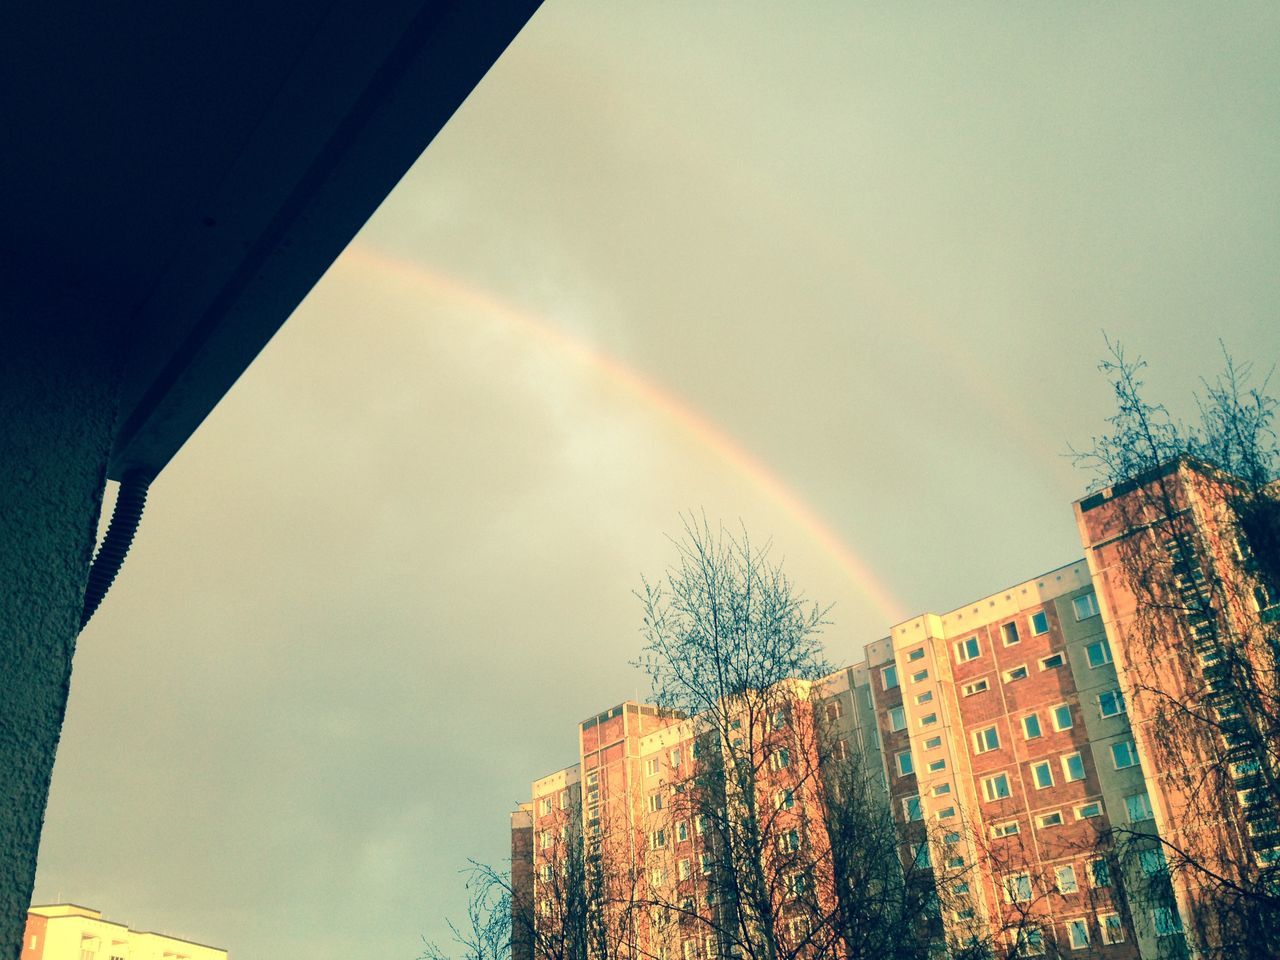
point(58, 385)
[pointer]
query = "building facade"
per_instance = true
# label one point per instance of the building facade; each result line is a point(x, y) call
point(66, 931)
point(1032, 747)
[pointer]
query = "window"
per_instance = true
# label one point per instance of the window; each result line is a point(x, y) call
point(1016, 674)
point(889, 679)
point(1087, 810)
point(675, 757)
point(655, 802)
point(1042, 774)
point(780, 759)
point(784, 800)
point(651, 767)
point(1111, 703)
point(967, 650)
point(946, 813)
point(1073, 767)
point(704, 863)
point(1111, 927)
point(951, 839)
point(997, 787)
point(1166, 921)
point(935, 766)
point(682, 869)
point(933, 743)
point(912, 808)
point(1152, 862)
point(544, 806)
point(700, 825)
point(903, 761)
point(919, 676)
point(1028, 942)
point(1049, 819)
point(941, 790)
point(1006, 829)
point(1051, 662)
point(789, 842)
point(1039, 623)
point(978, 686)
point(1138, 807)
point(1031, 726)
point(1061, 715)
point(544, 840)
point(897, 719)
point(921, 857)
point(1124, 754)
point(928, 720)
point(924, 697)
point(657, 839)
point(1099, 873)
point(1099, 653)
point(1009, 634)
point(916, 654)
point(1064, 878)
point(682, 831)
point(834, 709)
point(1085, 606)
point(840, 750)
point(1078, 934)
point(1017, 888)
point(987, 739)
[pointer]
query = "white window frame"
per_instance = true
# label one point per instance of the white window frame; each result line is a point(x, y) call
point(1053, 717)
point(1101, 644)
point(1111, 927)
point(897, 762)
point(1066, 767)
point(982, 740)
point(988, 787)
point(1087, 602)
point(1008, 675)
point(1077, 925)
point(1080, 809)
point(1131, 749)
point(1118, 699)
point(1058, 655)
point(981, 685)
point(1031, 621)
point(894, 714)
point(1045, 767)
point(962, 649)
point(1066, 872)
point(1026, 730)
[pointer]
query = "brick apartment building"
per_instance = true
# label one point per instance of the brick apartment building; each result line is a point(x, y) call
point(1008, 737)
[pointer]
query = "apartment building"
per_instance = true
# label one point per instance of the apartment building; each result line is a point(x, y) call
point(1191, 619)
point(1019, 741)
point(66, 931)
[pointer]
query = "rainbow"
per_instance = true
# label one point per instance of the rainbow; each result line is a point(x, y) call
point(654, 396)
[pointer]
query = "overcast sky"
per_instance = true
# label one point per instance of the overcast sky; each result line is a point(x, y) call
point(839, 272)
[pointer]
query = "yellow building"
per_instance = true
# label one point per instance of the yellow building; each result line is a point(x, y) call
point(65, 931)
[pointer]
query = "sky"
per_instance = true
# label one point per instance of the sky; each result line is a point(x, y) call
point(837, 273)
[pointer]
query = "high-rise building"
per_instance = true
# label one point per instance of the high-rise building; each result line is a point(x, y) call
point(65, 931)
point(1042, 749)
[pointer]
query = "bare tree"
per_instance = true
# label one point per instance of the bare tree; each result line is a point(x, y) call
point(1193, 513)
point(486, 932)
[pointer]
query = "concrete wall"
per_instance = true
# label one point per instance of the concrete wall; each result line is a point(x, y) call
point(58, 388)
